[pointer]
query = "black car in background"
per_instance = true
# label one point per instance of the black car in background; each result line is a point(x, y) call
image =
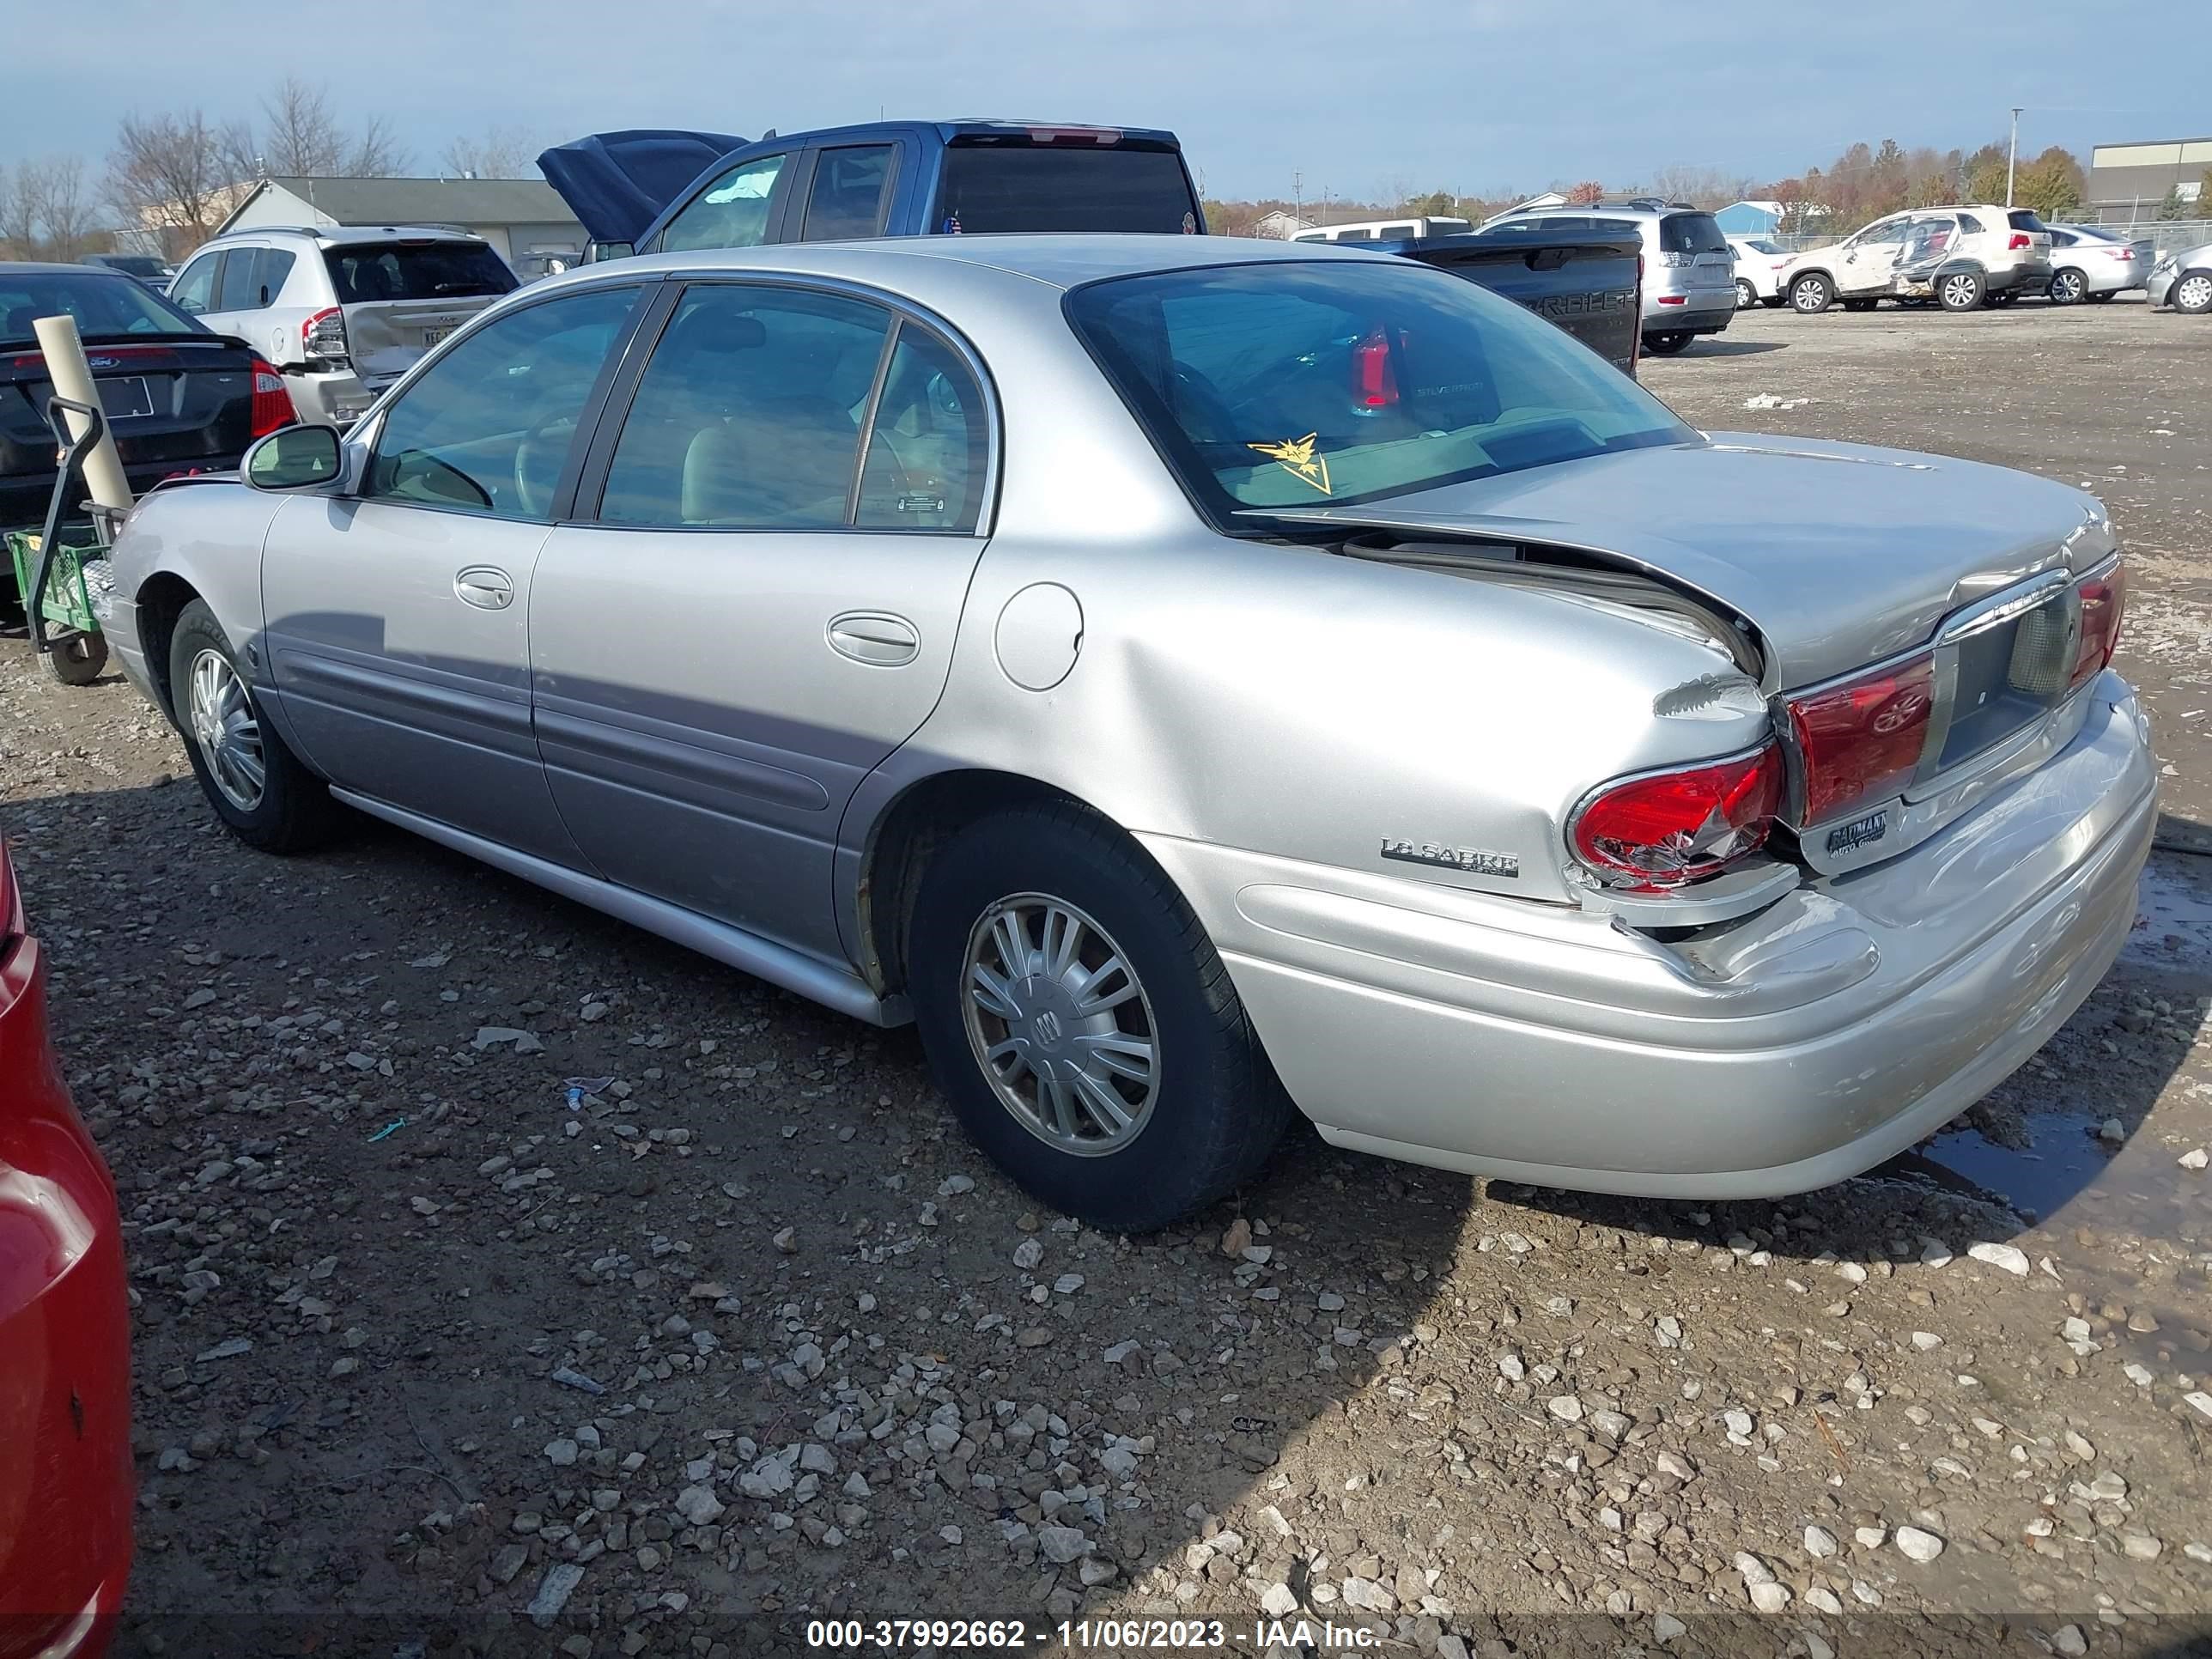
point(178, 397)
point(154, 273)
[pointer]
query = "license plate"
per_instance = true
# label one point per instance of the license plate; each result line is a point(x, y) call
point(432, 335)
point(125, 396)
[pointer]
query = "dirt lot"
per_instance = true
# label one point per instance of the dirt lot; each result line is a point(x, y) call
point(753, 1338)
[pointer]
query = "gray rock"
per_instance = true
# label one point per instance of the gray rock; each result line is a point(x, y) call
point(699, 1506)
point(2068, 1639)
point(560, 1453)
point(1279, 1601)
point(1665, 1627)
point(2141, 1546)
point(1820, 1543)
point(2005, 1256)
point(554, 1590)
point(1061, 1545)
point(1029, 1252)
point(1366, 1594)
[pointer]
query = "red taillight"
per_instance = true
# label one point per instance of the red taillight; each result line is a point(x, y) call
point(2019, 240)
point(272, 404)
point(323, 337)
point(12, 925)
point(1374, 377)
point(2104, 606)
point(1861, 742)
point(1665, 828)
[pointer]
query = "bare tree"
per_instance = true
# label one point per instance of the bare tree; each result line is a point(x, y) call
point(502, 152)
point(167, 174)
point(300, 137)
point(377, 152)
point(57, 198)
point(1706, 187)
point(19, 219)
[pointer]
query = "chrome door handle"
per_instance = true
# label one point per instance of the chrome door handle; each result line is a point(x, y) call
point(879, 640)
point(484, 587)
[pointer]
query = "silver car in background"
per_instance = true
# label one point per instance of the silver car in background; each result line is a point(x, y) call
point(1689, 269)
point(2183, 279)
point(1191, 678)
point(2088, 263)
point(342, 312)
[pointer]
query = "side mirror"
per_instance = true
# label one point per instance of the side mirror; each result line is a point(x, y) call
point(294, 457)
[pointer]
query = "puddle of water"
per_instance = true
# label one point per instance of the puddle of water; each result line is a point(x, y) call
point(2173, 917)
point(2064, 1159)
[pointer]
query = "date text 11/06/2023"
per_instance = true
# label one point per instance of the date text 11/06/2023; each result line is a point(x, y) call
point(1087, 1635)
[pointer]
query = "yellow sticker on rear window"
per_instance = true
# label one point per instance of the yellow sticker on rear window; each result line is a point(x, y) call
point(1296, 457)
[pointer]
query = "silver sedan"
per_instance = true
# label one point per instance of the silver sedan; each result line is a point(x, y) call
point(2183, 279)
point(1196, 681)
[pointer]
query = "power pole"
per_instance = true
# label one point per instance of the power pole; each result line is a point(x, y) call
point(1297, 195)
point(2012, 156)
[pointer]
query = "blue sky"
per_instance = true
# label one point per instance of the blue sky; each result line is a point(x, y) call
point(1464, 95)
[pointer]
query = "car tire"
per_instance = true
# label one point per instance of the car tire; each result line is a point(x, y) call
point(1669, 344)
point(1962, 290)
point(1811, 295)
point(1207, 1109)
point(2192, 295)
point(2069, 287)
point(1747, 296)
point(211, 694)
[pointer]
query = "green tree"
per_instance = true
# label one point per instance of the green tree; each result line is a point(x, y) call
point(2051, 184)
point(2173, 207)
point(1436, 204)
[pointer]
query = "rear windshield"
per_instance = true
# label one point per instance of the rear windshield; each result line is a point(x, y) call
point(134, 264)
point(1692, 232)
point(1760, 245)
point(365, 271)
point(105, 306)
point(2024, 219)
point(1020, 187)
point(1297, 385)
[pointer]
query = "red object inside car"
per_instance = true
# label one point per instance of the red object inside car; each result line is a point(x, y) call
point(66, 1482)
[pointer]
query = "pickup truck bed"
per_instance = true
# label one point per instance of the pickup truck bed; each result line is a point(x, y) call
point(1585, 282)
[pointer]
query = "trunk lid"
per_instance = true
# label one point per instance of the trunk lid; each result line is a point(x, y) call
point(1837, 555)
point(401, 297)
point(619, 183)
point(173, 405)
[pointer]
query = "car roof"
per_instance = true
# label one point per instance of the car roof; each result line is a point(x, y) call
point(342, 235)
point(56, 268)
point(1064, 260)
point(961, 127)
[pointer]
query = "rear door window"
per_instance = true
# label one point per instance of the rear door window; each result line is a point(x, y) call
point(363, 273)
point(848, 195)
point(929, 444)
point(749, 416)
point(731, 212)
point(1692, 232)
point(235, 291)
point(1021, 187)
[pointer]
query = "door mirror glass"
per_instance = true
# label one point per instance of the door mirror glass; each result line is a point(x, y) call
point(296, 457)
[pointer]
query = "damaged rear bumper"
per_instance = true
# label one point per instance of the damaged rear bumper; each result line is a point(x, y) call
point(1771, 1056)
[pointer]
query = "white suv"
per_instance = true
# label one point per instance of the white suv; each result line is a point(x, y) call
point(1960, 256)
point(341, 313)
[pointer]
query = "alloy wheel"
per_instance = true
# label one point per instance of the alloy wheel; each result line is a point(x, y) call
point(2193, 293)
point(1060, 1024)
point(223, 725)
point(1959, 292)
point(2067, 287)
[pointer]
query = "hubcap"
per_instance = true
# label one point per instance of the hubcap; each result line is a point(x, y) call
point(228, 734)
point(2194, 291)
point(1060, 1024)
point(1744, 296)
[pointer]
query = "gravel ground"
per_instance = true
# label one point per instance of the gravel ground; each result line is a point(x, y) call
point(433, 1356)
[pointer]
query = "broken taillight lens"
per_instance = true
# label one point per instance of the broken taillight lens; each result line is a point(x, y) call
point(1374, 377)
point(1861, 741)
point(2103, 606)
point(1662, 830)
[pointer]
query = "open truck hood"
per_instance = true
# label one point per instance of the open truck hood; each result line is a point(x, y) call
point(616, 183)
point(1837, 555)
